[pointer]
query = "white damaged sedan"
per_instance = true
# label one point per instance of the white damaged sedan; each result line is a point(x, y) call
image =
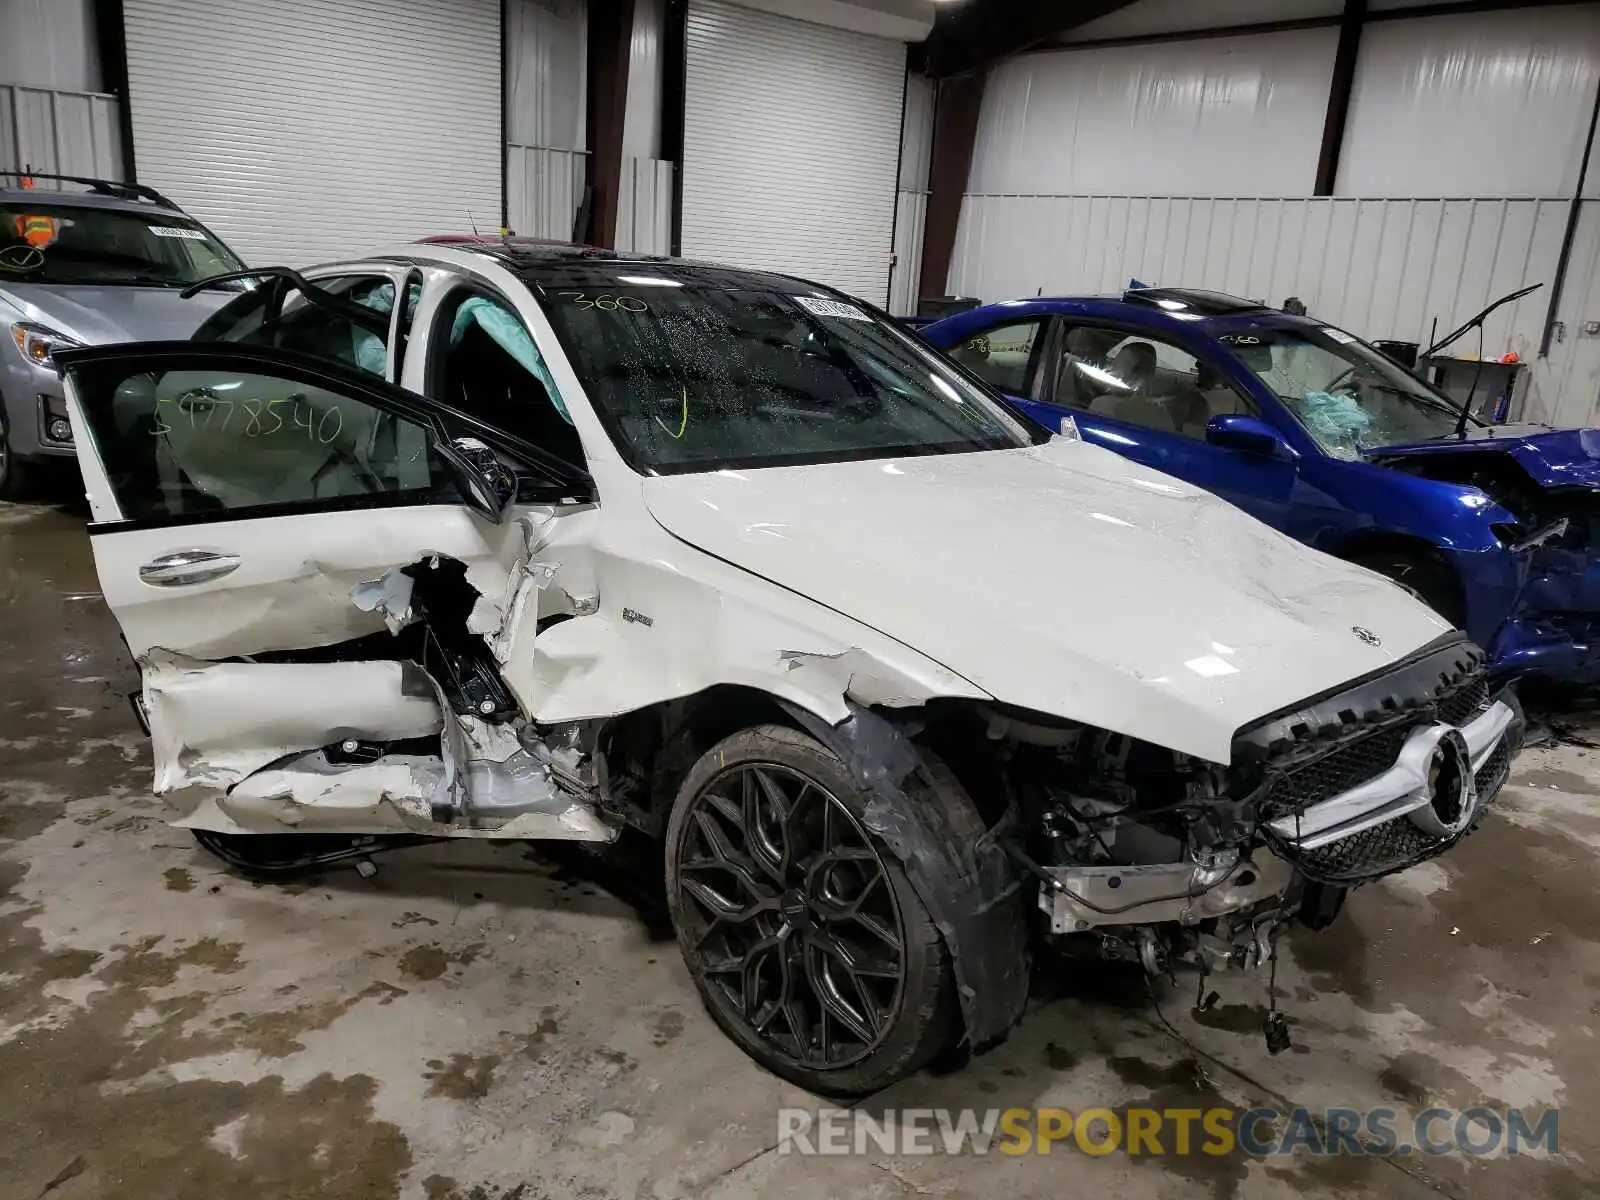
point(512, 540)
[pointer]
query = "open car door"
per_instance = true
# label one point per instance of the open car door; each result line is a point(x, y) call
point(295, 552)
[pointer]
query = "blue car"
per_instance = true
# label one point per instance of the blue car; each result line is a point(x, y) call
point(1325, 438)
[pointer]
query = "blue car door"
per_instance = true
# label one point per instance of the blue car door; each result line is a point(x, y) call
point(1150, 400)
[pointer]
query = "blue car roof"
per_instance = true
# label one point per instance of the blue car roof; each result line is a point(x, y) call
point(1144, 308)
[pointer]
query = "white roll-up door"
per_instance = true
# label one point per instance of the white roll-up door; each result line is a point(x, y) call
point(305, 130)
point(791, 140)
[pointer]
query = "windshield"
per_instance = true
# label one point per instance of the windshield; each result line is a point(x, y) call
point(69, 243)
point(1348, 396)
point(700, 378)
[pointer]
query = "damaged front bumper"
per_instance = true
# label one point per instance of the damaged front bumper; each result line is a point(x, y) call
point(1440, 782)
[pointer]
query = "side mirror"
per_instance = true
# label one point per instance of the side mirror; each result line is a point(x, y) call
point(486, 484)
point(1251, 435)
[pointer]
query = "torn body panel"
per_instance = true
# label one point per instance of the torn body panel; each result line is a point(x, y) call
point(347, 747)
point(289, 592)
point(212, 724)
point(608, 621)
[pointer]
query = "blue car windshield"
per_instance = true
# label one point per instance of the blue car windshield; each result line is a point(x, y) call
point(1349, 396)
point(690, 377)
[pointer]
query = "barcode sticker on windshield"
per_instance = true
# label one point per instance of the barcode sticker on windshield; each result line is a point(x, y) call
point(832, 308)
point(1338, 335)
point(178, 231)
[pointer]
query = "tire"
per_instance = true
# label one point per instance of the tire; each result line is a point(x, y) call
point(823, 964)
point(1431, 582)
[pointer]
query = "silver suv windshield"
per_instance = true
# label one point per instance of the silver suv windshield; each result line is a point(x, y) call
point(689, 377)
point(1348, 395)
point(74, 243)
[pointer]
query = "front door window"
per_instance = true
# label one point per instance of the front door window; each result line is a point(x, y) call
point(1143, 380)
point(184, 442)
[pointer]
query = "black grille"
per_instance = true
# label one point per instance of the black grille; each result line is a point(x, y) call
point(1371, 853)
point(1368, 756)
point(1461, 706)
point(1325, 777)
point(1493, 773)
point(1398, 843)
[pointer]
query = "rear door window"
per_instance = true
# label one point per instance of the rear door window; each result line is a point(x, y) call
point(315, 329)
point(1003, 355)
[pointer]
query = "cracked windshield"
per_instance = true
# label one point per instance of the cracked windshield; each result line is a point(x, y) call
point(63, 243)
point(696, 378)
point(1349, 397)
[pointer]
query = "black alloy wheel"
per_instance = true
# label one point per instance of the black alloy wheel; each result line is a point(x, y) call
point(808, 945)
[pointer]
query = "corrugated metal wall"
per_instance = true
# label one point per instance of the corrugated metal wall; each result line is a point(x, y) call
point(543, 190)
point(307, 130)
point(644, 209)
point(790, 144)
point(1095, 166)
point(1565, 388)
point(546, 80)
point(911, 201)
point(1478, 104)
point(641, 121)
point(1167, 118)
point(59, 133)
point(1382, 268)
point(49, 44)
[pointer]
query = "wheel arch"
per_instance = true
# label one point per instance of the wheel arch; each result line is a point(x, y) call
point(918, 807)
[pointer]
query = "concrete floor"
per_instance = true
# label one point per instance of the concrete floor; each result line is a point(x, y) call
point(474, 1024)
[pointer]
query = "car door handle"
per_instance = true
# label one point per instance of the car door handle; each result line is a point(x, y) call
point(186, 567)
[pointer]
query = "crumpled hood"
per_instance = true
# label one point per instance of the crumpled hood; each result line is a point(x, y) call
point(102, 315)
point(1553, 458)
point(1064, 579)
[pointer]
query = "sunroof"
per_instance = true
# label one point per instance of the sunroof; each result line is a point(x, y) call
point(1193, 300)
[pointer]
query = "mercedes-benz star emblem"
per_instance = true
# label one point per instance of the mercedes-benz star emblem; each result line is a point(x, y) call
point(1452, 790)
point(1366, 635)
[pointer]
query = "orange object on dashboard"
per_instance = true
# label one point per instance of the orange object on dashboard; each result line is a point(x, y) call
point(37, 229)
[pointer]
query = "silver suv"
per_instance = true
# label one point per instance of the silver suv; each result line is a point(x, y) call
point(106, 262)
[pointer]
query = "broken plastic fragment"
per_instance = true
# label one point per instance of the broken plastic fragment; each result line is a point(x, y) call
point(389, 596)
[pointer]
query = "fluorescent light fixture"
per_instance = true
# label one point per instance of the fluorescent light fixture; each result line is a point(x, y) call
point(1172, 305)
point(648, 281)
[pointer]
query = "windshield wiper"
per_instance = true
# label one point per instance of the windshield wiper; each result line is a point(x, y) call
point(1475, 322)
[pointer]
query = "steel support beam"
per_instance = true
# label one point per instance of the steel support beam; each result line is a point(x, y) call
point(610, 40)
point(1344, 75)
point(111, 47)
point(955, 130)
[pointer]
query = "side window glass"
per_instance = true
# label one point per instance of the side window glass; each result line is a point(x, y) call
point(184, 442)
point(486, 364)
point(1001, 355)
point(317, 330)
point(1142, 380)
